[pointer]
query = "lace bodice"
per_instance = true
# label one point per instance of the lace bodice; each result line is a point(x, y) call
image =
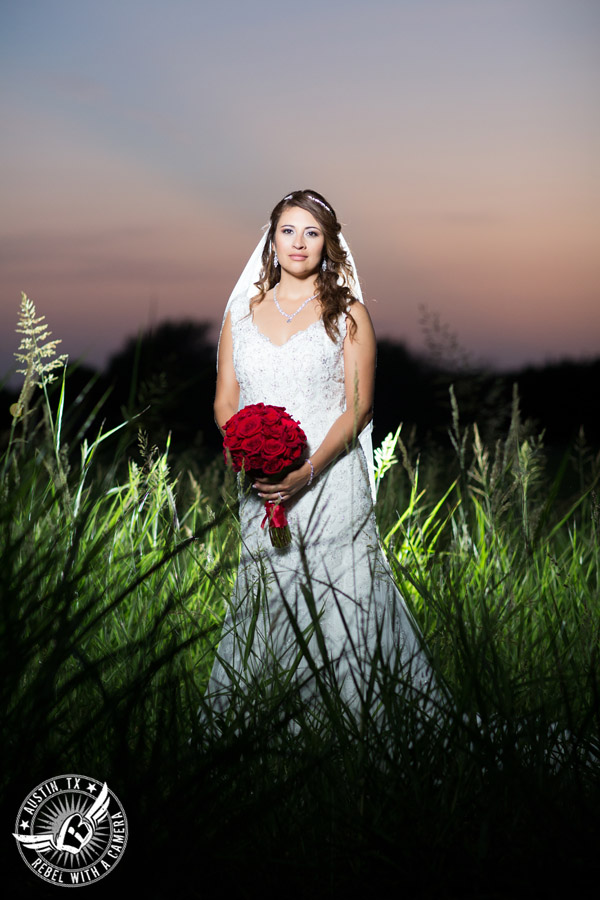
point(306, 374)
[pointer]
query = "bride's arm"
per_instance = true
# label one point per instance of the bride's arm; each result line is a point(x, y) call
point(227, 394)
point(359, 368)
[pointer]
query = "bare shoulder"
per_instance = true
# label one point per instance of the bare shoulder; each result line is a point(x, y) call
point(225, 343)
point(364, 325)
point(227, 326)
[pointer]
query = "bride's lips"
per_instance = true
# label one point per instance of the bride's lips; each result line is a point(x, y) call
point(296, 256)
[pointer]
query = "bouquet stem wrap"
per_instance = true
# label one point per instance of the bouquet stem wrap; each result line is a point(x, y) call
point(279, 531)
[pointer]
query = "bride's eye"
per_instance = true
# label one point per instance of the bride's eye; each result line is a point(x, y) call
point(312, 233)
point(287, 230)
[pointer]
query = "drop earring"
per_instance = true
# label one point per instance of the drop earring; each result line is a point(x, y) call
point(275, 259)
point(324, 264)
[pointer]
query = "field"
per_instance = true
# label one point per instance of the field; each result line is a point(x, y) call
point(114, 581)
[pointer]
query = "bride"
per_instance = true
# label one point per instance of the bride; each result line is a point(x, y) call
point(325, 609)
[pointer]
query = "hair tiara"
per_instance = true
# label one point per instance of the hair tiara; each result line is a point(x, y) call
point(315, 200)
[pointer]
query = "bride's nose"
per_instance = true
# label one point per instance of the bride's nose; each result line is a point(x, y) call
point(299, 241)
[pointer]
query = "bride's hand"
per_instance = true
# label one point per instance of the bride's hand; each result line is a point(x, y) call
point(286, 488)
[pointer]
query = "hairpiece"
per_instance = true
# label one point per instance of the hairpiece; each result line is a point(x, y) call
point(320, 202)
point(314, 199)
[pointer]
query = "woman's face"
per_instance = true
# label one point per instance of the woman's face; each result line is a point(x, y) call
point(299, 242)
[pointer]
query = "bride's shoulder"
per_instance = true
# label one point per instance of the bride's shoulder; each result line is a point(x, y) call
point(357, 313)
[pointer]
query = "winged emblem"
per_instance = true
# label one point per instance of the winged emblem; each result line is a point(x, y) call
point(76, 831)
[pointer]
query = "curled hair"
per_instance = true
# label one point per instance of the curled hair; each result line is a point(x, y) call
point(333, 285)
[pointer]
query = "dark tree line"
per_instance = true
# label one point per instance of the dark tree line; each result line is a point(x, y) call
point(163, 383)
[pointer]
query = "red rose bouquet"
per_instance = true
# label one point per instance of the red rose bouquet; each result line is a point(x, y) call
point(265, 440)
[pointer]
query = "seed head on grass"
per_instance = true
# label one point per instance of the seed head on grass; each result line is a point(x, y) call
point(36, 352)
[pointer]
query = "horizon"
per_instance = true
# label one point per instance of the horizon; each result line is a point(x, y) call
point(11, 381)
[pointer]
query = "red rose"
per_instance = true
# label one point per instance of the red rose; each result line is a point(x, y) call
point(234, 463)
point(273, 431)
point(273, 415)
point(253, 444)
point(234, 443)
point(271, 466)
point(273, 447)
point(289, 434)
point(249, 425)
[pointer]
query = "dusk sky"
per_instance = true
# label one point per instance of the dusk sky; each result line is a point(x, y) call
point(144, 143)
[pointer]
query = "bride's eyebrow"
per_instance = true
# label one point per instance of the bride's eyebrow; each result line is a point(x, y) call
point(306, 228)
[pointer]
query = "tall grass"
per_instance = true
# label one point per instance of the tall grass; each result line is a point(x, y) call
point(113, 589)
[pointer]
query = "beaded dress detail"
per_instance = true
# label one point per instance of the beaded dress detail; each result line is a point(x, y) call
point(335, 557)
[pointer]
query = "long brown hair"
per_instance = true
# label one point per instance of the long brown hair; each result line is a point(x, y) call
point(335, 298)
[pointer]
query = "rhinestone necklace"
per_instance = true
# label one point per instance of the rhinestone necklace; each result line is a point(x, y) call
point(285, 315)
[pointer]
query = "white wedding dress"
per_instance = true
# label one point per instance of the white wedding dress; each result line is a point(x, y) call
point(334, 576)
